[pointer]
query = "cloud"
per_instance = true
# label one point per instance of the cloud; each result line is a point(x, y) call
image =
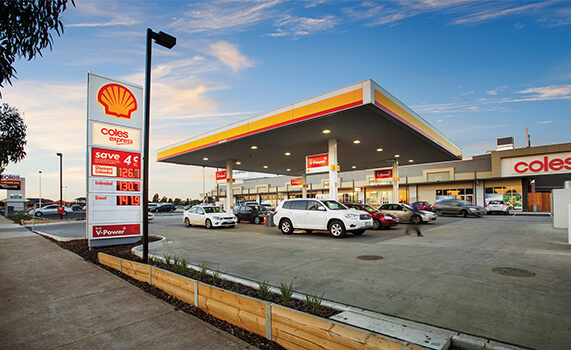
point(112, 13)
point(463, 12)
point(224, 15)
point(553, 92)
point(494, 12)
point(230, 56)
point(544, 122)
point(496, 90)
point(298, 26)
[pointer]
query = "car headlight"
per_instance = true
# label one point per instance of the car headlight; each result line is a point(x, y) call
point(217, 217)
point(352, 216)
point(388, 217)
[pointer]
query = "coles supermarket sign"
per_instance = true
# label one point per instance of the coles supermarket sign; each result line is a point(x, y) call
point(555, 163)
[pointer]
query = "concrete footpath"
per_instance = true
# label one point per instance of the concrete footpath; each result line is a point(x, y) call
point(51, 298)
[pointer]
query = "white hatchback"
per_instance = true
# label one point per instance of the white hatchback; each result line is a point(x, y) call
point(320, 215)
point(497, 206)
point(209, 216)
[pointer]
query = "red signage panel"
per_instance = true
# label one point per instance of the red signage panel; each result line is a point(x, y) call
point(317, 163)
point(296, 182)
point(384, 174)
point(111, 163)
point(221, 175)
point(107, 231)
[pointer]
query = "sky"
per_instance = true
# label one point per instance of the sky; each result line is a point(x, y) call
point(475, 70)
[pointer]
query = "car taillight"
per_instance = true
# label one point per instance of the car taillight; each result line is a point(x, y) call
point(276, 212)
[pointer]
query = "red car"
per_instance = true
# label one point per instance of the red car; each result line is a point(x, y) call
point(423, 205)
point(380, 220)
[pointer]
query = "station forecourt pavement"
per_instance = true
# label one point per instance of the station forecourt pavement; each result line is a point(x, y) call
point(445, 279)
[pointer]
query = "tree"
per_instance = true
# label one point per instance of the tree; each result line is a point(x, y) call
point(26, 26)
point(12, 136)
point(164, 199)
point(156, 198)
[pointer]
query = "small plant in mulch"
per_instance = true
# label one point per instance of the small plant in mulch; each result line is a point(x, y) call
point(314, 303)
point(286, 292)
point(264, 288)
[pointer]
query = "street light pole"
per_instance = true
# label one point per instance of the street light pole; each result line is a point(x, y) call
point(167, 41)
point(60, 155)
point(40, 200)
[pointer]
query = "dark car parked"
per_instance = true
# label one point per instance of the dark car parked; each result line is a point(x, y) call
point(423, 205)
point(457, 207)
point(380, 220)
point(165, 207)
point(250, 212)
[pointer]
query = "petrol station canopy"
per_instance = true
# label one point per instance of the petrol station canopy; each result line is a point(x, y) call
point(372, 128)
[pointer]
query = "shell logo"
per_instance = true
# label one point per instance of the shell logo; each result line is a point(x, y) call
point(117, 100)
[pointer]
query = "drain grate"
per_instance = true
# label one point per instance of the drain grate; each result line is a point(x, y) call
point(513, 272)
point(369, 257)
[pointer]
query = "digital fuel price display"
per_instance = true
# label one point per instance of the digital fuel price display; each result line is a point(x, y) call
point(128, 200)
point(128, 186)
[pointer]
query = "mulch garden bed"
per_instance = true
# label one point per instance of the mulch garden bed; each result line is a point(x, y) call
point(81, 248)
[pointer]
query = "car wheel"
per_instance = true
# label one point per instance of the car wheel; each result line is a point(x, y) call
point(39, 213)
point(464, 213)
point(257, 220)
point(186, 222)
point(208, 224)
point(286, 227)
point(376, 224)
point(337, 229)
point(415, 219)
point(358, 232)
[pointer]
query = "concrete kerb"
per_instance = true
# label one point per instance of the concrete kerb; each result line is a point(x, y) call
point(49, 235)
point(410, 331)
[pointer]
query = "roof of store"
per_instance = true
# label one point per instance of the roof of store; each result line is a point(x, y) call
point(363, 111)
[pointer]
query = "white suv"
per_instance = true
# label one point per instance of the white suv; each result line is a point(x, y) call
point(324, 215)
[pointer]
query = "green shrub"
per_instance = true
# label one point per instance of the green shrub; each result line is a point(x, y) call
point(216, 275)
point(314, 303)
point(264, 288)
point(204, 266)
point(286, 291)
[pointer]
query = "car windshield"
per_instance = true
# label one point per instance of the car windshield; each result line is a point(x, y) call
point(371, 209)
point(257, 207)
point(407, 206)
point(334, 205)
point(213, 210)
point(465, 202)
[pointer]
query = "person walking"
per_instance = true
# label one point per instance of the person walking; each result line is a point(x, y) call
point(414, 221)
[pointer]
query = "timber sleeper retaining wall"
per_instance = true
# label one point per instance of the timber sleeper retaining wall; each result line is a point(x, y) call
point(289, 328)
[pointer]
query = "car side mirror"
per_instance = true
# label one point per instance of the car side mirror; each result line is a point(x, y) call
point(321, 209)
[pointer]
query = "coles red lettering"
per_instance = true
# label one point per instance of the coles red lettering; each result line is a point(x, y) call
point(545, 164)
point(114, 132)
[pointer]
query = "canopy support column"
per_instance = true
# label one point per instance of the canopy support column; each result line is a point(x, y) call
point(395, 180)
point(229, 183)
point(333, 169)
point(304, 185)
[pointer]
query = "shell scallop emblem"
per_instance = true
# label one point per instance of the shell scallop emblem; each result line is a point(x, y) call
point(117, 100)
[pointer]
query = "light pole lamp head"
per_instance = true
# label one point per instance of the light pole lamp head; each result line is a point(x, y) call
point(59, 154)
point(164, 39)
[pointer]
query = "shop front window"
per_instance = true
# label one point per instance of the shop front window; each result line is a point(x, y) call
point(466, 194)
point(511, 195)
